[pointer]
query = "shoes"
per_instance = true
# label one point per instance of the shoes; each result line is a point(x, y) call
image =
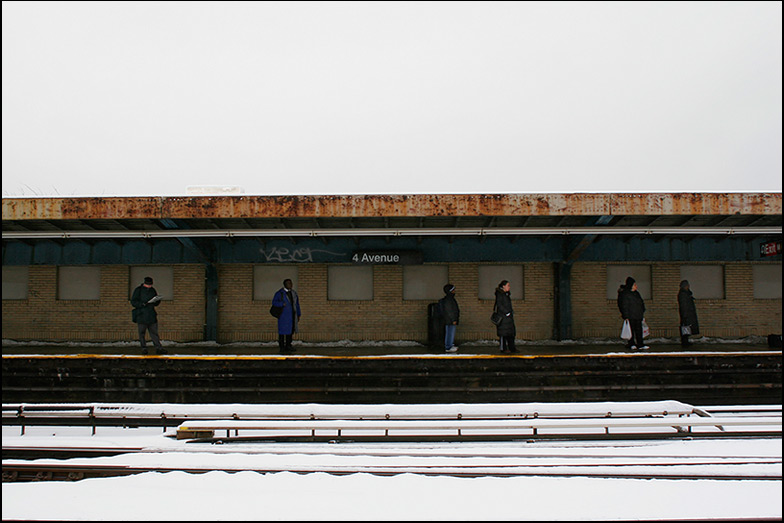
point(162, 351)
point(453, 348)
point(144, 352)
point(633, 347)
point(287, 350)
point(644, 347)
point(514, 351)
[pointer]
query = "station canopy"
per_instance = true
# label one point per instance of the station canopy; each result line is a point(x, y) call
point(234, 216)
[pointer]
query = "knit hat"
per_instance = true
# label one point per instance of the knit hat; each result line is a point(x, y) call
point(448, 288)
point(148, 280)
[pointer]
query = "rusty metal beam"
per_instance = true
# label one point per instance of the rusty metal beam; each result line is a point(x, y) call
point(362, 206)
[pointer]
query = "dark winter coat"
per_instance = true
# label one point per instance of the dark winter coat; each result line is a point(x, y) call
point(688, 310)
point(289, 317)
point(144, 312)
point(503, 304)
point(450, 311)
point(631, 304)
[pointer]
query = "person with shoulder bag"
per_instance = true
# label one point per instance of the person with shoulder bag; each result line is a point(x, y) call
point(285, 307)
point(505, 328)
point(144, 300)
point(687, 311)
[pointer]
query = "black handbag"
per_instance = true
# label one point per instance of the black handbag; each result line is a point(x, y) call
point(276, 311)
point(496, 317)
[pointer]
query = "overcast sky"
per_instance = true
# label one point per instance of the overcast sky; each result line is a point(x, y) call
point(148, 98)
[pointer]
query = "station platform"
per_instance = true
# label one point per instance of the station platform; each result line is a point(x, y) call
point(388, 348)
point(703, 374)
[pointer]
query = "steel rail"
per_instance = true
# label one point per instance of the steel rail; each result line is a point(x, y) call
point(60, 472)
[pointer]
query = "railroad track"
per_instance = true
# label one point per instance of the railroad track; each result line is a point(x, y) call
point(627, 455)
point(682, 468)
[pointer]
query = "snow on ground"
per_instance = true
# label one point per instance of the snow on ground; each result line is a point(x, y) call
point(362, 496)
point(287, 496)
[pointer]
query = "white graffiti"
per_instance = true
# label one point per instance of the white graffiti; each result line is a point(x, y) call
point(301, 255)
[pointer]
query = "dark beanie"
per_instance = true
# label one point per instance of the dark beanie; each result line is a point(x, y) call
point(448, 288)
point(148, 280)
point(629, 282)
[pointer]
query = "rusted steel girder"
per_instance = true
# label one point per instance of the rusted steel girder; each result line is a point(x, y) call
point(372, 206)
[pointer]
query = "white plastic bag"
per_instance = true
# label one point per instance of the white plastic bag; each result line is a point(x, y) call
point(645, 330)
point(626, 330)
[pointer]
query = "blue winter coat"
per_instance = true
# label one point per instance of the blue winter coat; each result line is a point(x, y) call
point(289, 317)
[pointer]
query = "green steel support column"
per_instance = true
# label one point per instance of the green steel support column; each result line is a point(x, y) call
point(563, 301)
point(211, 303)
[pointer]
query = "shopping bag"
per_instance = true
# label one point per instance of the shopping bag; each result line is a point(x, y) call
point(626, 330)
point(645, 330)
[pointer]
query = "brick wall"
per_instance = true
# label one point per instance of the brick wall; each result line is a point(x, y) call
point(43, 317)
point(738, 314)
point(387, 317)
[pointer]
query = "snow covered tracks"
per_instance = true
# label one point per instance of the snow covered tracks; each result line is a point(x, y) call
point(485, 423)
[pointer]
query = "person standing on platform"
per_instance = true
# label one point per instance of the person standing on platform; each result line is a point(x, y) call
point(287, 300)
point(633, 309)
point(144, 300)
point(506, 328)
point(630, 341)
point(450, 313)
point(688, 313)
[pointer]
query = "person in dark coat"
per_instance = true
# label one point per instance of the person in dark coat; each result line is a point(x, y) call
point(450, 314)
point(506, 329)
point(287, 299)
point(688, 313)
point(630, 341)
point(633, 309)
point(145, 316)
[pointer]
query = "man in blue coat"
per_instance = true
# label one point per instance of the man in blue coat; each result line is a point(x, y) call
point(287, 300)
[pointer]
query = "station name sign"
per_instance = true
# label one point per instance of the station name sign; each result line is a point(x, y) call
point(387, 257)
point(770, 249)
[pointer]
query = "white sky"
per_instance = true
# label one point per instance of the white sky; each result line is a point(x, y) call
point(148, 98)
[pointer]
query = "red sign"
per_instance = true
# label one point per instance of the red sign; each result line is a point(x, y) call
point(770, 249)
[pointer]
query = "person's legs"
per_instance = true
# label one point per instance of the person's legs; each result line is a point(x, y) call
point(142, 329)
point(449, 336)
point(685, 340)
point(153, 328)
point(510, 344)
point(636, 326)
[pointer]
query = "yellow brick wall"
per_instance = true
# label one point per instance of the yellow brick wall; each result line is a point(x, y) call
point(43, 317)
point(388, 317)
point(737, 315)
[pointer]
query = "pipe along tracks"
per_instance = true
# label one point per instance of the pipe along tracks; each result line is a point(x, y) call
point(504, 442)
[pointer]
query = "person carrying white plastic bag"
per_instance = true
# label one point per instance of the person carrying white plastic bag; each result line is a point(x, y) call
point(626, 330)
point(632, 309)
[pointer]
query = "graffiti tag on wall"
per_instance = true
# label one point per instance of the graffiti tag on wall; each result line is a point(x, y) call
point(301, 255)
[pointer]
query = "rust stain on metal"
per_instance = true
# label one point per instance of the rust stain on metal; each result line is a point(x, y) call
point(418, 205)
point(80, 208)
